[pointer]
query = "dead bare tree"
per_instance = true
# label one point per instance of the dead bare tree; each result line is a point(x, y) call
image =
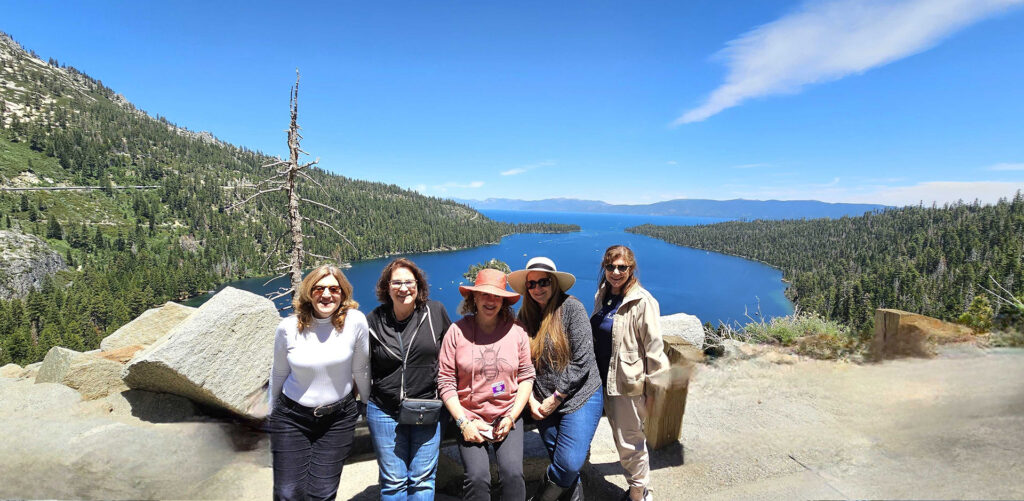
point(286, 179)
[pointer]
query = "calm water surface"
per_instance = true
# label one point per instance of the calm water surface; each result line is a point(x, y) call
point(715, 287)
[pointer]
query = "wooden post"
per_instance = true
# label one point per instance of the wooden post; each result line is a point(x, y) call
point(665, 424)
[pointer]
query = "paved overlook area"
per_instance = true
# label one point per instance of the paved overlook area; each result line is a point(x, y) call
point(758, 425)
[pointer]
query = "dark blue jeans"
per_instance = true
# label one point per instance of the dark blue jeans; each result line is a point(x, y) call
point(567, 438)
point(309, 452)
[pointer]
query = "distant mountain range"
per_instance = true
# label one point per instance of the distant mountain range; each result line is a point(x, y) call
point(731, 209)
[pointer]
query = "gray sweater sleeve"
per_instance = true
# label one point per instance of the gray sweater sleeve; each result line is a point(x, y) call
point(581, 344)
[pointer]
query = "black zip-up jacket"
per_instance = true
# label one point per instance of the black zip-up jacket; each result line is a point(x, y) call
point(421, 337)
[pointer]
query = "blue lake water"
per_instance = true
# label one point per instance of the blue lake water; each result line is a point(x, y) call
point(715, 287)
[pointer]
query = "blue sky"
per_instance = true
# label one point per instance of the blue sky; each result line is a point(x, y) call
point(878, 101)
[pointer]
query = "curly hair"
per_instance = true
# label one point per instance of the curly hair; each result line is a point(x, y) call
point(302, 302)
point(468, 307)
point(615, 252)
point(384, 282)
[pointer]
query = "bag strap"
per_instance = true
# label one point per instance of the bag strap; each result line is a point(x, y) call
point(405, 358)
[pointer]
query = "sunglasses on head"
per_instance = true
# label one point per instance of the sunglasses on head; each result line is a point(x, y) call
point(622, 268)
point(319, 289)
point(544, 282)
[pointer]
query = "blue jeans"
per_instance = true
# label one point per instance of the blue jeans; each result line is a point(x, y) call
point(406, 455)
point(567, 438)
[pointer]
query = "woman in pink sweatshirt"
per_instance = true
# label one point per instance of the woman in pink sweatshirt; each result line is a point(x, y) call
point(485, 379)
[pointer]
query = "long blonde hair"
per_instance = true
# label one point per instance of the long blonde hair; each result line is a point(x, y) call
point(302, 302)
point(549, 346)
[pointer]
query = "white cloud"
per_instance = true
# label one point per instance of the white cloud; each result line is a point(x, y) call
point(750, 166)
point(827, 40)
point(1007, 166)
point(671, 162)
point(941, 192)
point(526, 168)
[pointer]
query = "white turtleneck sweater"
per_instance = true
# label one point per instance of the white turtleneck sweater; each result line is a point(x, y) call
point(319, 365)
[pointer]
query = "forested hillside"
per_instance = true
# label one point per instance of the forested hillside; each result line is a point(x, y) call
point(926, 260)
point(130, 249)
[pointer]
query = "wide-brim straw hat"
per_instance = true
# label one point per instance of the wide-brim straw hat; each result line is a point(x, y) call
point(490, 281)
point(517, 279)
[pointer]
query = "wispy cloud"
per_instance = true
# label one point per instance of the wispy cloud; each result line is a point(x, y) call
point(526, 168)
point(671, 162)
point(1007, 166)
point(827, 40)
point(751, 166)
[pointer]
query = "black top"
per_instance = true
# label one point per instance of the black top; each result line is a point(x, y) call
point(421, 336)
point(601, 324)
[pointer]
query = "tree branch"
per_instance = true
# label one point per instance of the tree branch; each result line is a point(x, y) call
point(328, 225)
point(328, 207)
point(261, 192)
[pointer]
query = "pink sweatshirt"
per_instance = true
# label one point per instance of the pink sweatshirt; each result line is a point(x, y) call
point(484, 370)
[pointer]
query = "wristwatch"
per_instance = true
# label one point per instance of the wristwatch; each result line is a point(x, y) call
point(461, 422)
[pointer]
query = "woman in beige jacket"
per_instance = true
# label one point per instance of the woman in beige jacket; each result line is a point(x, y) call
point(630, 358)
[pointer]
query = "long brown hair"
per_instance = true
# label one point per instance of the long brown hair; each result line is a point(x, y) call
point(384, 282)
point(549, 346)
point(302, 302)
point(615, 252)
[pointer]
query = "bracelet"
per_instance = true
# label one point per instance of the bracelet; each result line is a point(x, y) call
point(557, 396)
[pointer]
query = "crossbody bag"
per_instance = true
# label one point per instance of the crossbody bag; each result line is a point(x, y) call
point(418, 410)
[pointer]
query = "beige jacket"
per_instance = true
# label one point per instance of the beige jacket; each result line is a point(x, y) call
point(638, 355)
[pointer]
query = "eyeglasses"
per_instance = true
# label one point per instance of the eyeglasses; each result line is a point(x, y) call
point(544, 282)
point(319, 289)
point(398, 284)
point(622, 268)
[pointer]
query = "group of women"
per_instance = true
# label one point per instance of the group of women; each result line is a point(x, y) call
point(491, 369)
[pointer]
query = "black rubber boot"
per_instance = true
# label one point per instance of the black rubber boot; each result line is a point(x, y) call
point(549, 491)
point(575, 493)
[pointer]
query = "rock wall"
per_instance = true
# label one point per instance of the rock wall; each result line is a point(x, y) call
point(25, 260)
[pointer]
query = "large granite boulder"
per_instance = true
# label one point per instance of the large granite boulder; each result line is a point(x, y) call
point(685, 326)
point(142, 405)
point(94, 377)
point(25, 260)
point(219, 356)
point(56, 364)
point(148, 327)
point(11, 371)
point(121, 355)
point(904, 334)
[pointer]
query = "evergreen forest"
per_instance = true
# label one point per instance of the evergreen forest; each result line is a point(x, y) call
point(129, 249)
point(936, 261)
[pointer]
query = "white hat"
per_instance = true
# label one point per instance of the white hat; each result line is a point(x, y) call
point(517, 279)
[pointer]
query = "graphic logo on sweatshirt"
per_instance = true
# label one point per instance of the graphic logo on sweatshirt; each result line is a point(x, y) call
point(490, 364)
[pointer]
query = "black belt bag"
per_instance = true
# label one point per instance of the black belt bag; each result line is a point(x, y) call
point(418, 410)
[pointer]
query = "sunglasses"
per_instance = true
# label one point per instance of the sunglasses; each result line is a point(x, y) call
point(531, 284)
point(622, 268)
point(319, 289)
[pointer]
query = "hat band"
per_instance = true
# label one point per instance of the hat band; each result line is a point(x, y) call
point(540, 266)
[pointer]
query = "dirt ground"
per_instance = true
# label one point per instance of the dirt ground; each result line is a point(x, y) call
point(769, 427)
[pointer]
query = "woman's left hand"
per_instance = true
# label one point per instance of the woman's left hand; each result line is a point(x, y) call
point(504, 426)
point(549, 405)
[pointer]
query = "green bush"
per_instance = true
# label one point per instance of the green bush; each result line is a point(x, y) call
point(810, 335)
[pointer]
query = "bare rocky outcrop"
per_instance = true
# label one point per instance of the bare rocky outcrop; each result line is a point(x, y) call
point(56, 364)
point(148, 327)
point(219, 356)
point(11, 371)
point(25, 261)
point(93, 376)
point(685, 326)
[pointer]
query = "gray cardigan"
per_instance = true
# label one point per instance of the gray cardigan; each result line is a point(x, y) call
point(580, 379)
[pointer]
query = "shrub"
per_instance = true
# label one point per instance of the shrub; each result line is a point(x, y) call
point(810, 334)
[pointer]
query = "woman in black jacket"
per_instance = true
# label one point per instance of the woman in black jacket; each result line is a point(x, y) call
point(405, 335)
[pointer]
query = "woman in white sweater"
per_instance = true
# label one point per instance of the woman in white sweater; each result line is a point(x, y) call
point(321, 361)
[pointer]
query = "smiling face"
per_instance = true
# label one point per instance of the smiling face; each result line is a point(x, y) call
point(617, 278)
point(405, 295)
point(488, 306)
point(540, 294)
point(325, 303)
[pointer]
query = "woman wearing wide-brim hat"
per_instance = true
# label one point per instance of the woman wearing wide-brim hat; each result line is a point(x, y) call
point(566, 401)
point(485, 379)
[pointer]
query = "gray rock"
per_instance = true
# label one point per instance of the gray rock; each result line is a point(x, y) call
point(31, 370)
point(685, 326)
point(94, 377)
point(219, 356)
point(23, 398)
point(11, 371)
point(56, 364)
point(142, 405)
point(148, 327)
point(25, 260)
